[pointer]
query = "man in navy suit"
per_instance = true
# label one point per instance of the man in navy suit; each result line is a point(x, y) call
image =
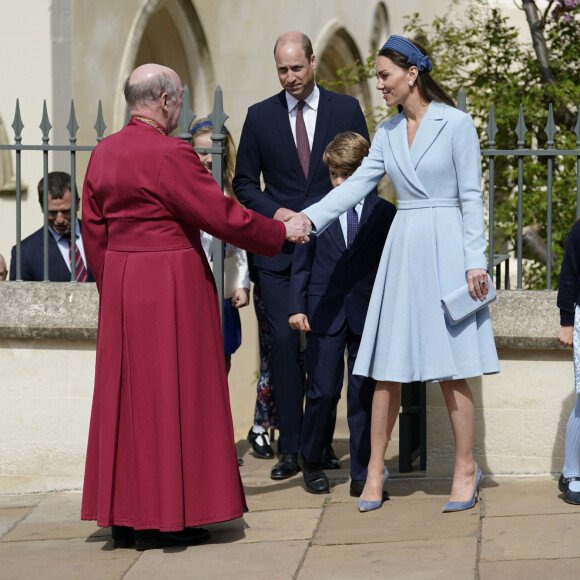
point(59, 238)
point(330, 288)
point(282, 142)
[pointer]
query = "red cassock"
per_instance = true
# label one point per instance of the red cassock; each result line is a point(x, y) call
point(161, 450)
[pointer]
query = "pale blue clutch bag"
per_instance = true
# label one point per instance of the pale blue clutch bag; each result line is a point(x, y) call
point(459, 304)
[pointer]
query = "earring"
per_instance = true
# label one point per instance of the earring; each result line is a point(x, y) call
point(411, 83)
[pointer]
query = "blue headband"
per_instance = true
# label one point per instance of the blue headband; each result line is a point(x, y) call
point(408, 49)
point(206, 123)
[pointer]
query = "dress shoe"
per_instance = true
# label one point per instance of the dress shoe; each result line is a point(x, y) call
point(329, 458)
point(458, 506)
point(123, 536)
point(357, 486)
point(366, 505)
point(314, 478)
point(152, 539)
point(564, 486)
point(260, 443)
point(286, 467)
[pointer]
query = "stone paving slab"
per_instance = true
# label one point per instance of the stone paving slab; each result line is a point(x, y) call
point(9, 517)
point(530, 537)
point(57, 517)
point(267, 526)
point(423, 520)
point(63, 560)
point(529, 569)
point(271, 560)
point(262, 496)
point(25, 500)
point(429, 560)
point(525, 496)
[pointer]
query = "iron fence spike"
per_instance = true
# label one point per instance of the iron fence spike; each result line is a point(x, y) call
point(492, 129)
point(550, 128)
point(72, 126)
point(521, 129)
point(186, 116)
point(17, 124)
point(45, 125)
point(99, 125)
point(218, 116)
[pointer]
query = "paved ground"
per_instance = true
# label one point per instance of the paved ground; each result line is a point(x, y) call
point(521, 528)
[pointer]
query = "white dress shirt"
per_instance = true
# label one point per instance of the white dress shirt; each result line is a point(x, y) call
point(63, 246)
point(309, 113)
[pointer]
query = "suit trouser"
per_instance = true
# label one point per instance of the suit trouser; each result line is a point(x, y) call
point(285, 367)
point(325, 368)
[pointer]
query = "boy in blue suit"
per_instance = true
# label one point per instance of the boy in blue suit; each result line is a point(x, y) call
point(330, 288)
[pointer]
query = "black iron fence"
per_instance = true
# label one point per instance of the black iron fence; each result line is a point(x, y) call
point(217, 116)
point(497, 261)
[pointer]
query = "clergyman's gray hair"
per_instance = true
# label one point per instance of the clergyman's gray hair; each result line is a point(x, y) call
point(149, 90)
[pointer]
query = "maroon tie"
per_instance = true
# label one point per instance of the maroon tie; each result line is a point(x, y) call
point(80, 268)
point(302, 139)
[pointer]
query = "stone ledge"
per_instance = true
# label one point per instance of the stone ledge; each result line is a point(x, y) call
point(48, 310)
point(525, 319)
point(521, 318)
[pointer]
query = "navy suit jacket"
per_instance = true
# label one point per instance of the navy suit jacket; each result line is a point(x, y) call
point(331, 283)
point(33, 260)
point(267, 148)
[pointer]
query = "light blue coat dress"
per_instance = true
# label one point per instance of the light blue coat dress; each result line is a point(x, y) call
point(436, 236)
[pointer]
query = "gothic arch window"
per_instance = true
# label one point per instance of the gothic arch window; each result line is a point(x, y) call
point(380, 29)
point(335, 49)
point(169, 32)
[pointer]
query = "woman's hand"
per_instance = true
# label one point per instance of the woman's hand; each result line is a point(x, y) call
point(477, 283)
point(241, 297)
point(565, 336)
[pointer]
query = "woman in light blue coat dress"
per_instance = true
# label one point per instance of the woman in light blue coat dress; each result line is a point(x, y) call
point(430, 151)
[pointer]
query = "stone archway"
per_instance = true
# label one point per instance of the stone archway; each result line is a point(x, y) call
point(169, 32)
point(335, 48)
point(380, 28)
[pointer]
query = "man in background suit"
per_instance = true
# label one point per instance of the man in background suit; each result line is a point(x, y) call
point(282, 142)
point(59, 241)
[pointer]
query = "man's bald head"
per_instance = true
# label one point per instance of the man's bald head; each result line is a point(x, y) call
point(154, 91)
point(148, 83)
point(295, 37)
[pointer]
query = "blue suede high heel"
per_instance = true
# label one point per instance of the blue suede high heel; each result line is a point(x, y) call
point(366, 505)
point(457, 506)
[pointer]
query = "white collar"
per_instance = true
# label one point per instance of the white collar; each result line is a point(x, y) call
point(311, 100)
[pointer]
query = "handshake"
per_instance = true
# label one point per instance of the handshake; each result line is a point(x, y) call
point(298, 226)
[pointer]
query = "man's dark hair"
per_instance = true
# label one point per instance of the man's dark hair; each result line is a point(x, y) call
point(58, 183)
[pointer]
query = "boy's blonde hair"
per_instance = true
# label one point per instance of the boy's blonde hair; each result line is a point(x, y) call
point(346, 151)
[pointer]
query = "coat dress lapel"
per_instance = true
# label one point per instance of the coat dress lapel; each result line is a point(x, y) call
point(408, 160)
point(429, 129)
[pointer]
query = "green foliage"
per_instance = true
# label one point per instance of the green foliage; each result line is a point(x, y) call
point(475, 48)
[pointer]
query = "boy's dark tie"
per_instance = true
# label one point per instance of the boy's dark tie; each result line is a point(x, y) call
point(351, 226)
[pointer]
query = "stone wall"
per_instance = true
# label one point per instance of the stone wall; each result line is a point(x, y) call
point(47, 357)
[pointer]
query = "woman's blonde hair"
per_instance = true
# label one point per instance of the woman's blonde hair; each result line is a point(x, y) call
point(203, 126)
